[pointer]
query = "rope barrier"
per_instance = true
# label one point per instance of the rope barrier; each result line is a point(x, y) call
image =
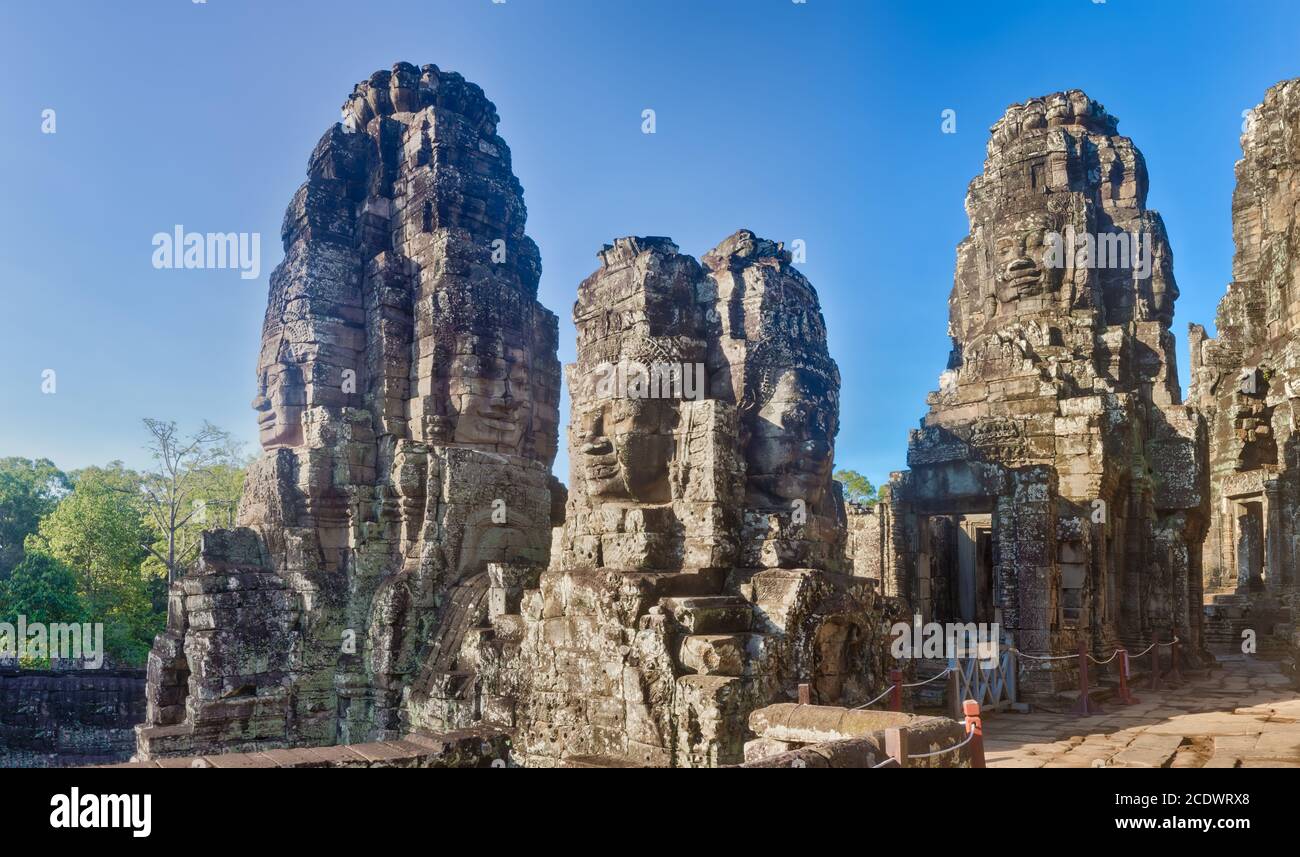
point(885, 764)
point(934, 677)
point(888, 691)
point(1019, 653)
point(1112, 657)
point(970, 735)
point(1042, 657)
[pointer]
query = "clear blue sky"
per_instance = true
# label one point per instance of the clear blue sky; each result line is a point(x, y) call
point(818, 121)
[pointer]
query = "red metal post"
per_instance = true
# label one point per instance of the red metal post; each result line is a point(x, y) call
point(1155, 660)
point(1125, 696)
point(954, 693)
point(975, 724)
point(1175, 674)
point(896, 696)
point(1085, 705)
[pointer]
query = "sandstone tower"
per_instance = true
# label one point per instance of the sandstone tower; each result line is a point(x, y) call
point(408, 394)
point(1057, 484)
point(1247, 381)
point(697, 574)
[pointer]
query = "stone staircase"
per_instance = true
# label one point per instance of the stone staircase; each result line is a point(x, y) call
point(719, 660)
point(719, 639)
point(444, 690)
point(1229, 615)
point(649, 668)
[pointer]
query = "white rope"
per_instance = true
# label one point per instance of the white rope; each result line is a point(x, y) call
point(1112, 657)
point(885, 764)
point(970, 734)
point(1044, 657)
point(930, 679)
point(888, 691)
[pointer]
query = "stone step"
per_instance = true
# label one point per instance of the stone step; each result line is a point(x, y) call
point(711, 614)
point(721, 654)
point(599, 762)
point(470, 748)
point(1148, 750)
point(690, 584)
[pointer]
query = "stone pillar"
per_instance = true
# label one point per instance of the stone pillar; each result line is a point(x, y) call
point(1243, 530)
point(1027, 523)
point(1271, 520)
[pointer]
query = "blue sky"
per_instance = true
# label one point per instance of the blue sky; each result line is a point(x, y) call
point(816, 120)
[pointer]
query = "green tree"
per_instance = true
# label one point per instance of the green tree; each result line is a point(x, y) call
point(194, 485)
point(97, 531)
point(857, 488)
point(42, 589)
point(29, 490)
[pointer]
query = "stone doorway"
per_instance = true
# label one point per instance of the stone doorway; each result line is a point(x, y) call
point(961, 551)
point(1250, 545)
point(975, 597)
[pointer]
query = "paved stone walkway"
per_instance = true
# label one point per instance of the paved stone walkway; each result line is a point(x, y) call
point(1244, 715)
point(469, 748)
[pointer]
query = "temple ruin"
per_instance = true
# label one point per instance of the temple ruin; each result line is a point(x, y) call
point(408, 392)
point(1057, 484)
point(394, 568)
point(699, 573)
point(405, 565)
point(1247, 383)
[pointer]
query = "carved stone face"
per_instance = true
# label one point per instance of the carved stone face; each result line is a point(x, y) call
point(1164, 293)
point(1021, 250)
point(624, 447)
point(790, 448)
point(492, 399)
point(280, 400)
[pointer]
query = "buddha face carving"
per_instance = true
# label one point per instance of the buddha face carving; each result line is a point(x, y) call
point(1021, 253)
point(492, 399)
point(624, 446)
point(790, 447)
point(1164, 291)
point(280, 400)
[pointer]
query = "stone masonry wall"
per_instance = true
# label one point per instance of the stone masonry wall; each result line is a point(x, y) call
point(57, 719)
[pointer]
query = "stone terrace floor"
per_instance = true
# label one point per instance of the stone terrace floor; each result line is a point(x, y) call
point(1245, 714)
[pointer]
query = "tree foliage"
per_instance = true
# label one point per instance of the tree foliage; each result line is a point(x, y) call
point(857, 488)
point(42, 589)
point(97, 531)
point(29, 490)
point(100, 545)
point(194, 485)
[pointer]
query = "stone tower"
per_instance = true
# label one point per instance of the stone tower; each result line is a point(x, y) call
point(698, 572)
point(1247, 381)
point(408, 394)
point(1057, 484)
